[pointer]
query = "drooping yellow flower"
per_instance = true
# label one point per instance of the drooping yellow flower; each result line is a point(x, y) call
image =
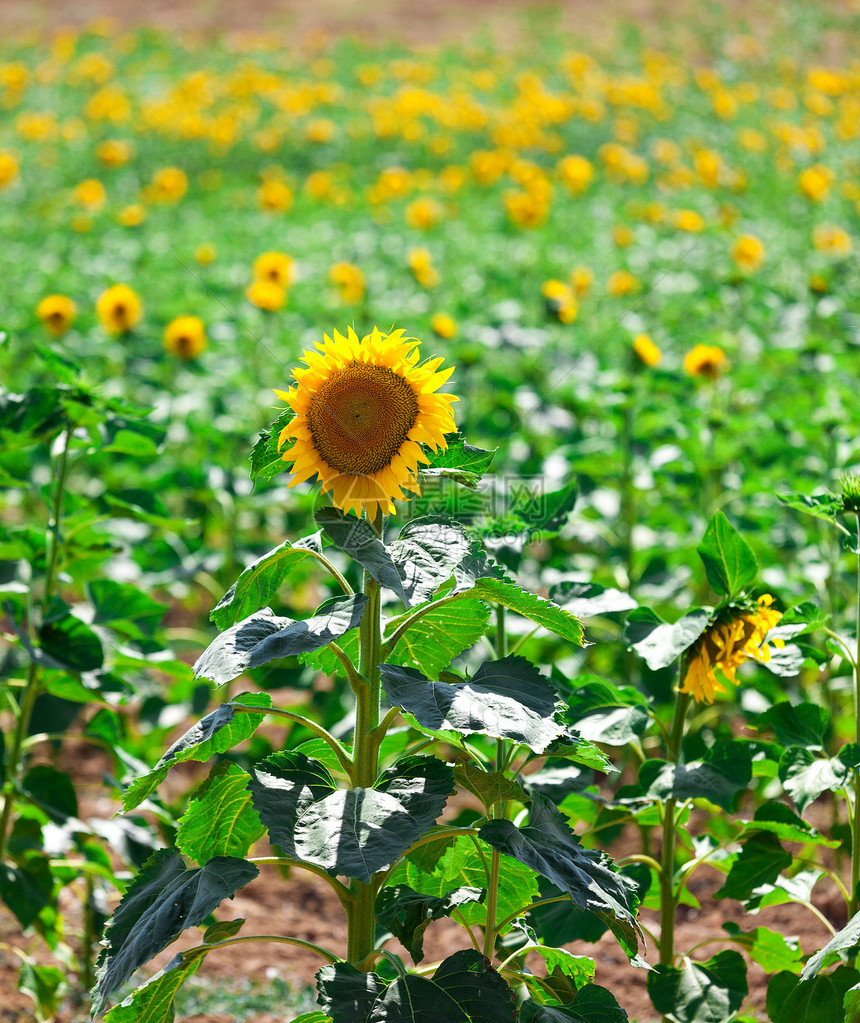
point(119, 309)
point(57, 312)
point(185, 336)
point(266, 295)
point(444, 326)
point(364, 408)
point(647, 351)
point(748, 253)
point(725, 645)
point(277, 267)
point(705, 361)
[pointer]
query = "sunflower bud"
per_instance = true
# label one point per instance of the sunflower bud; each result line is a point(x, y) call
point(851, 493)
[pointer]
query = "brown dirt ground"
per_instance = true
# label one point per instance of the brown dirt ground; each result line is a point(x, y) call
point(303, 906)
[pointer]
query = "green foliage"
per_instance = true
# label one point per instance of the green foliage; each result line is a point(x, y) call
point(709, 992)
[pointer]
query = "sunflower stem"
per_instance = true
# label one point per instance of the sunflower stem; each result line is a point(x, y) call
point(361, 917)
point(855, 817)
point(495, 811)
point(668, 895)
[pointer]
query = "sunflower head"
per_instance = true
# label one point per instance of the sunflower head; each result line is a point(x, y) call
point(119, 309)
point(851, 494)
point(57, 312)
point(185, 337)
point(363, 409)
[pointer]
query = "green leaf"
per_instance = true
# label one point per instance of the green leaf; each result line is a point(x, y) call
point(783, 822)
point(770, 950)
point(709, 992)
point(143, 506)
point(786, 889)
point(578, 969)
point(803, 724)
point(44, 985)
point(353, 832)
point(761, 861)
point(266, 460)
point(806, 776)
point(730, 564)
point(220, 819)
point(264, 637)
point(506, 699)
point(113, 602)
point(819, 506)
point(591, 1004)
point(51, 790)
point(438, 867)
point(464, 987)
point(215, 733)
point(164, 899)
point(847, 938)
point(260, 582)
point(461, 462)
point(222, 930)
point(27, 888)
point(723, 772)
point(441, 635)
point(490, 787)
point(357, 539)
point(426, 553)
point(819, 1000)
point(537, 609)
point(659, 644)
point(549, 846)
point(587, 600)
point(851, 1004)
point(71, 644)
point(153, 1001)
point(601, 712)
point(407, 913)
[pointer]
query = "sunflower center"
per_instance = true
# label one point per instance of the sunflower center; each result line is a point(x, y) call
point(360, 416)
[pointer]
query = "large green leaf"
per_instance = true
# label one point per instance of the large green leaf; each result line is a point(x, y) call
point(220, 819)
point(770, 950)
point(549, 846)
point(591, 1004)
point(761, 861)
point(44, 985)
point(264, 637)
point(796, 724)
point(819, 1000)
point(537, 609)
point(658, 643)
point(407, 913)
point(710, 992)
point(357, 539)
point(439, 636)
point(847, 938)
point(461, 462)
point(723, 772)
point(506, 699)
point(115, 602)
point(820, 506)
point(27, 888)
point(782, 821)
point(602, 712)
point(426, 553)
point(730, 564)
point(153, 1001)
point(353, 832)
point(216, 733)
point(578, 969)
point(51, 790)
point(260, 582)
point(164, 899)
point(587, 600)
point(806, 776)
point(71, 644)
point(464, 989)
point(490, 787)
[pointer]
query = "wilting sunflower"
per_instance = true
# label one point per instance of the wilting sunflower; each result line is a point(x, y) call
point(725, 645)
point(363, 409)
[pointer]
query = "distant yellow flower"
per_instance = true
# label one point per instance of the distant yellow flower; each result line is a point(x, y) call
point(688, 220)
point(57, 312)
point(131, 216)
point(119, 309)
point(363, 409)
point(319, 130)
point(114, 152)
point(647, 351)
point(443, 325)
point(560, 300)
point(8, 169)
point(349, 280)
point(815, 182)
point(168, 185)
point(819, 284)
point(275, 266)
point(576, 172)
point(185, 336)
point(621, 283)
point(623, 236)
point(205, 253)
point(748, 253)
point(526, 208)
point(833, 240)
point(420, 262)
point(275, 196)
point(705, 361)
point(90, 193)
point(725, 646)
point(581, 279)
point(266, 295)
point(423, 213)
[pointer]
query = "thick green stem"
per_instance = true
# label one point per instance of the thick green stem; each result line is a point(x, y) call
point(855, 819)
point(668, 895)
point(361, 917)
point(495, 811)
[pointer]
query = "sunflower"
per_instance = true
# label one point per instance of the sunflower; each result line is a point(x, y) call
point(725, 645)
point(363, 409)
point(57, 312)
point(185, 336)
point(119, 309)
point(705, 361)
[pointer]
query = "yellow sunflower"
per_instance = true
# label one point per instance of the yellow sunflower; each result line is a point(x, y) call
point(726, 645)
point(363, 409)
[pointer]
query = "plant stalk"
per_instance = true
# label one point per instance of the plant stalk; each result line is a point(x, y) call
point(855, 818)
point(668, 895)
point(495, 810)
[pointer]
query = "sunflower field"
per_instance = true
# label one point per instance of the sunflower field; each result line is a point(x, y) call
point(430, 525)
